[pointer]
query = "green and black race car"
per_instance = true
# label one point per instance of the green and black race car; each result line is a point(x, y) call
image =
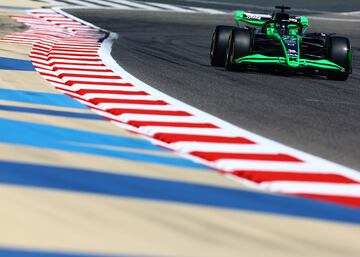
point(280, 40)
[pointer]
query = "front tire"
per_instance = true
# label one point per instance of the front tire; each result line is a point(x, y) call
point(239, 45)
point(218, 45)
point(339, 52)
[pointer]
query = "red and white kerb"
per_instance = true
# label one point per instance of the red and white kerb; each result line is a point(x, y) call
point(69, 55)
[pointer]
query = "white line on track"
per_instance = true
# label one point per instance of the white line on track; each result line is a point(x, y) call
point(81, 3)
point(207, 10)
point(355, 13)
point(110, 4)
point(136, 5)
point(170, 7)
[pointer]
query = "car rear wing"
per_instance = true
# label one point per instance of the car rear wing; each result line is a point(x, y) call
point(258, 19)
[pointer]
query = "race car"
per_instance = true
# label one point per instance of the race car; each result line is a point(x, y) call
point(279, 40)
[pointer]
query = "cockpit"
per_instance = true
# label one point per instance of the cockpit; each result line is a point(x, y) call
point(281, 16)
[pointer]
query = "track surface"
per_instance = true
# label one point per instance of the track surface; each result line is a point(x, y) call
point(306, 5)
point(170, 52)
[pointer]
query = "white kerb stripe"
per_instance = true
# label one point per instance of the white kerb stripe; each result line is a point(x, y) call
point(75, 52)
point(105, 87)
point(40, 61)
point(52, 78)
point(335, 189)
point(189, 131)
point(223, 147)
point(115, 96)
point(46, 71)
point(97, 80)
point(76, 47)
point(59, 56)
point(66, 66)
point(107, 106)
point(78, 72)
point(232, 164)
point(72, 61)
point(166, 118)
point(41, 66)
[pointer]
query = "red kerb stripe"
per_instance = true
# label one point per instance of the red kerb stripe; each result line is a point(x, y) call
point(214, 156)
point(71, 82)
point(172, 138)
point(57, 82)
point(117, 111)
point(80, 69)
point(40, 63)
point(120, 92)
point(127, 101)
point(77, 59)
point(43, 53)
point(42, 56)
point(75, 54)
point(79, 63)
point(344, 200)
point(88, 76)
point(42, 48)
point(171, 124)
point(266, 176)
point(77, 49)
point(48, 74)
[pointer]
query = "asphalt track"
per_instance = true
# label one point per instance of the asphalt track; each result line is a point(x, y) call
point(72, 184)
point(308, 6)
point(170, 52)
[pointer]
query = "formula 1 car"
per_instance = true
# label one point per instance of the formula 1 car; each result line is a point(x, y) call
point(280, 40)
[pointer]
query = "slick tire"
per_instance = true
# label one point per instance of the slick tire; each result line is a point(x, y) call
point(239, 45)
point(218, 45)
point(339, 52)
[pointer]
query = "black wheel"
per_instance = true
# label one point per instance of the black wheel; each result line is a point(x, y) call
point(218, 45)
point(339, 52)
point(239, 45)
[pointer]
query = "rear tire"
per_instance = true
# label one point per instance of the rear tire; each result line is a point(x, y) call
point(218, 45)
point(239, 45)
point(339, 52)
